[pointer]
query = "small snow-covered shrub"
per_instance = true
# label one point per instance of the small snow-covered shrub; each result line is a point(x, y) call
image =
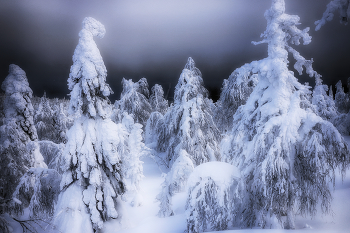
point(212, 191)
point(175, 182)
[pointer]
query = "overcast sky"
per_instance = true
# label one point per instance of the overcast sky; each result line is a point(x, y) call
point(154, 38)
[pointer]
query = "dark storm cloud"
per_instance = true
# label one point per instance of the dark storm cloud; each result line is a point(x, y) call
point(153, 38)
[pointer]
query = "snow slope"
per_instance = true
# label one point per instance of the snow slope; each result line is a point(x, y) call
point(144, 219)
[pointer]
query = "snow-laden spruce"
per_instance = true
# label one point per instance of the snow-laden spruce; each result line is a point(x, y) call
point(234, 93)
point(19, 149)
point(44, 121)
point(152, 128)
point(157, 101)
point(287, 154)
point(342, 101)
point(341, 6)
point(212, 192)
point(131, 164)
point(188, 124)
point(134, 100)
point(92, 157)
point(174, 182)
point(325, 105)
point(19, 146)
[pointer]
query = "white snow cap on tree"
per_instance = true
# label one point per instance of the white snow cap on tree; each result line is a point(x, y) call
point(342, 6)
point(286, 152)
point(87, 78)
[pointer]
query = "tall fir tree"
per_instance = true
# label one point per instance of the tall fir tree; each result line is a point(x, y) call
point(189, 125)
point(44, 121)
point(342, 101)
point(287, 154)
point(92, 180)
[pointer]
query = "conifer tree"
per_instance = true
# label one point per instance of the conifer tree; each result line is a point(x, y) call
point(19, 149)
point(157, 101)
point(134, 100)
point(330, 93)
point(325, 106)
point(189, 125)
point(19, 146)
point(43, 120)
point(287, 154)
point(234, 93)
point(92, 180)
point(342, 101)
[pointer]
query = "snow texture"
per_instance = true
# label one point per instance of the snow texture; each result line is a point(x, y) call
point(286, 152)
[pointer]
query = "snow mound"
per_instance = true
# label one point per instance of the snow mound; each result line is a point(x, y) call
point(72, 215)
point(219, 172)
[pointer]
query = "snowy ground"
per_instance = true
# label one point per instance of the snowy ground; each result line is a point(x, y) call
point(143, 219)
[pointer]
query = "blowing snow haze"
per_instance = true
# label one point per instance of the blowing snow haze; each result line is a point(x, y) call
point(154, 38)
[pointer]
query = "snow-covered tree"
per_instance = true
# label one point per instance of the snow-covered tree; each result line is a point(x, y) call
point(212, 197)
point(61, 123)
point(341, 6)
point(19, 150)
point(174, 182)
point(43, 120)
point(234, 93)
point(330, 93)
point(189, 125)
point(342, 101)
point(92, 157)
point(157, 101)
point(19, 147)
point(134, 100)
point(325, 106)
point(287, 154)
point(152, 127)
point(131, 163)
